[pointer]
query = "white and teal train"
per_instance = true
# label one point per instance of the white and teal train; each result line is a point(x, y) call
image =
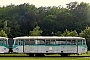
point(4, 47)
point(40, 45)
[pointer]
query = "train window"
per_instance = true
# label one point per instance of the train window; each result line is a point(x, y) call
point(5, 42)
point(50, 42)
point(19, 42)
point(68, 42)
point(41, 42)
point(71, 42)
point(84, 43)
point(0, 42)
point(60, 42)
point(79, 42)
point(22, 42)
point(16, 42)
point(29, 42)
point(47, 42)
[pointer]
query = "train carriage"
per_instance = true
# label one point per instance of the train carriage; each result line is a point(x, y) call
point(40, 45)
point(4, 47)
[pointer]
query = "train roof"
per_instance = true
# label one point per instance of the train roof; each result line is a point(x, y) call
point(48, 37)
point(3, 38)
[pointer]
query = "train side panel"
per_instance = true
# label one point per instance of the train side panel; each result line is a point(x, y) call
point(18, 49)
point(4, 49)
point(50, 49)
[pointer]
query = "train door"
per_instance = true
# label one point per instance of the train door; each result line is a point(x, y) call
point(21, 46)
point(18, 46)
point(79, 46)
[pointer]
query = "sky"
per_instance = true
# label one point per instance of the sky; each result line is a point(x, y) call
point(39, 3)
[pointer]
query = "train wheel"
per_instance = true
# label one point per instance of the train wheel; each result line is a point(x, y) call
point(64, 54)
point(31, 55)
point(39, 55)
point(42, 55)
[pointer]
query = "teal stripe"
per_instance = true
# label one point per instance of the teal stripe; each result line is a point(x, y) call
point(50, 45)
point(85, 46)
point(15, 46)
point(5, 46)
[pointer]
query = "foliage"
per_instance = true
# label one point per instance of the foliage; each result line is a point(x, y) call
point(19, 20)
point(58, 33)
point(86, 34)
point(36, 31)
point(5, 28)
point(68, 33)
point(3, 34)
point(73, 33)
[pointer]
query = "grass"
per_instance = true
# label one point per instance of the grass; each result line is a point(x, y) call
point(13, 55)
point(44, 58)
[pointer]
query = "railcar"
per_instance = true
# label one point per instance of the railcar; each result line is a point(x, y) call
point(4, 47)
point(40, 45)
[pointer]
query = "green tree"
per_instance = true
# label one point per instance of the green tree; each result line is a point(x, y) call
point(86, 34)
point(3, 34)
point(50, 19)
point(58, 33)
point(72, 5)
point(66, 33)
point(5, 28)
point(73, 33)
point(36, 31)
point(65, 20)
point(70, 33)
point(49, 22)
point(81, 17)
